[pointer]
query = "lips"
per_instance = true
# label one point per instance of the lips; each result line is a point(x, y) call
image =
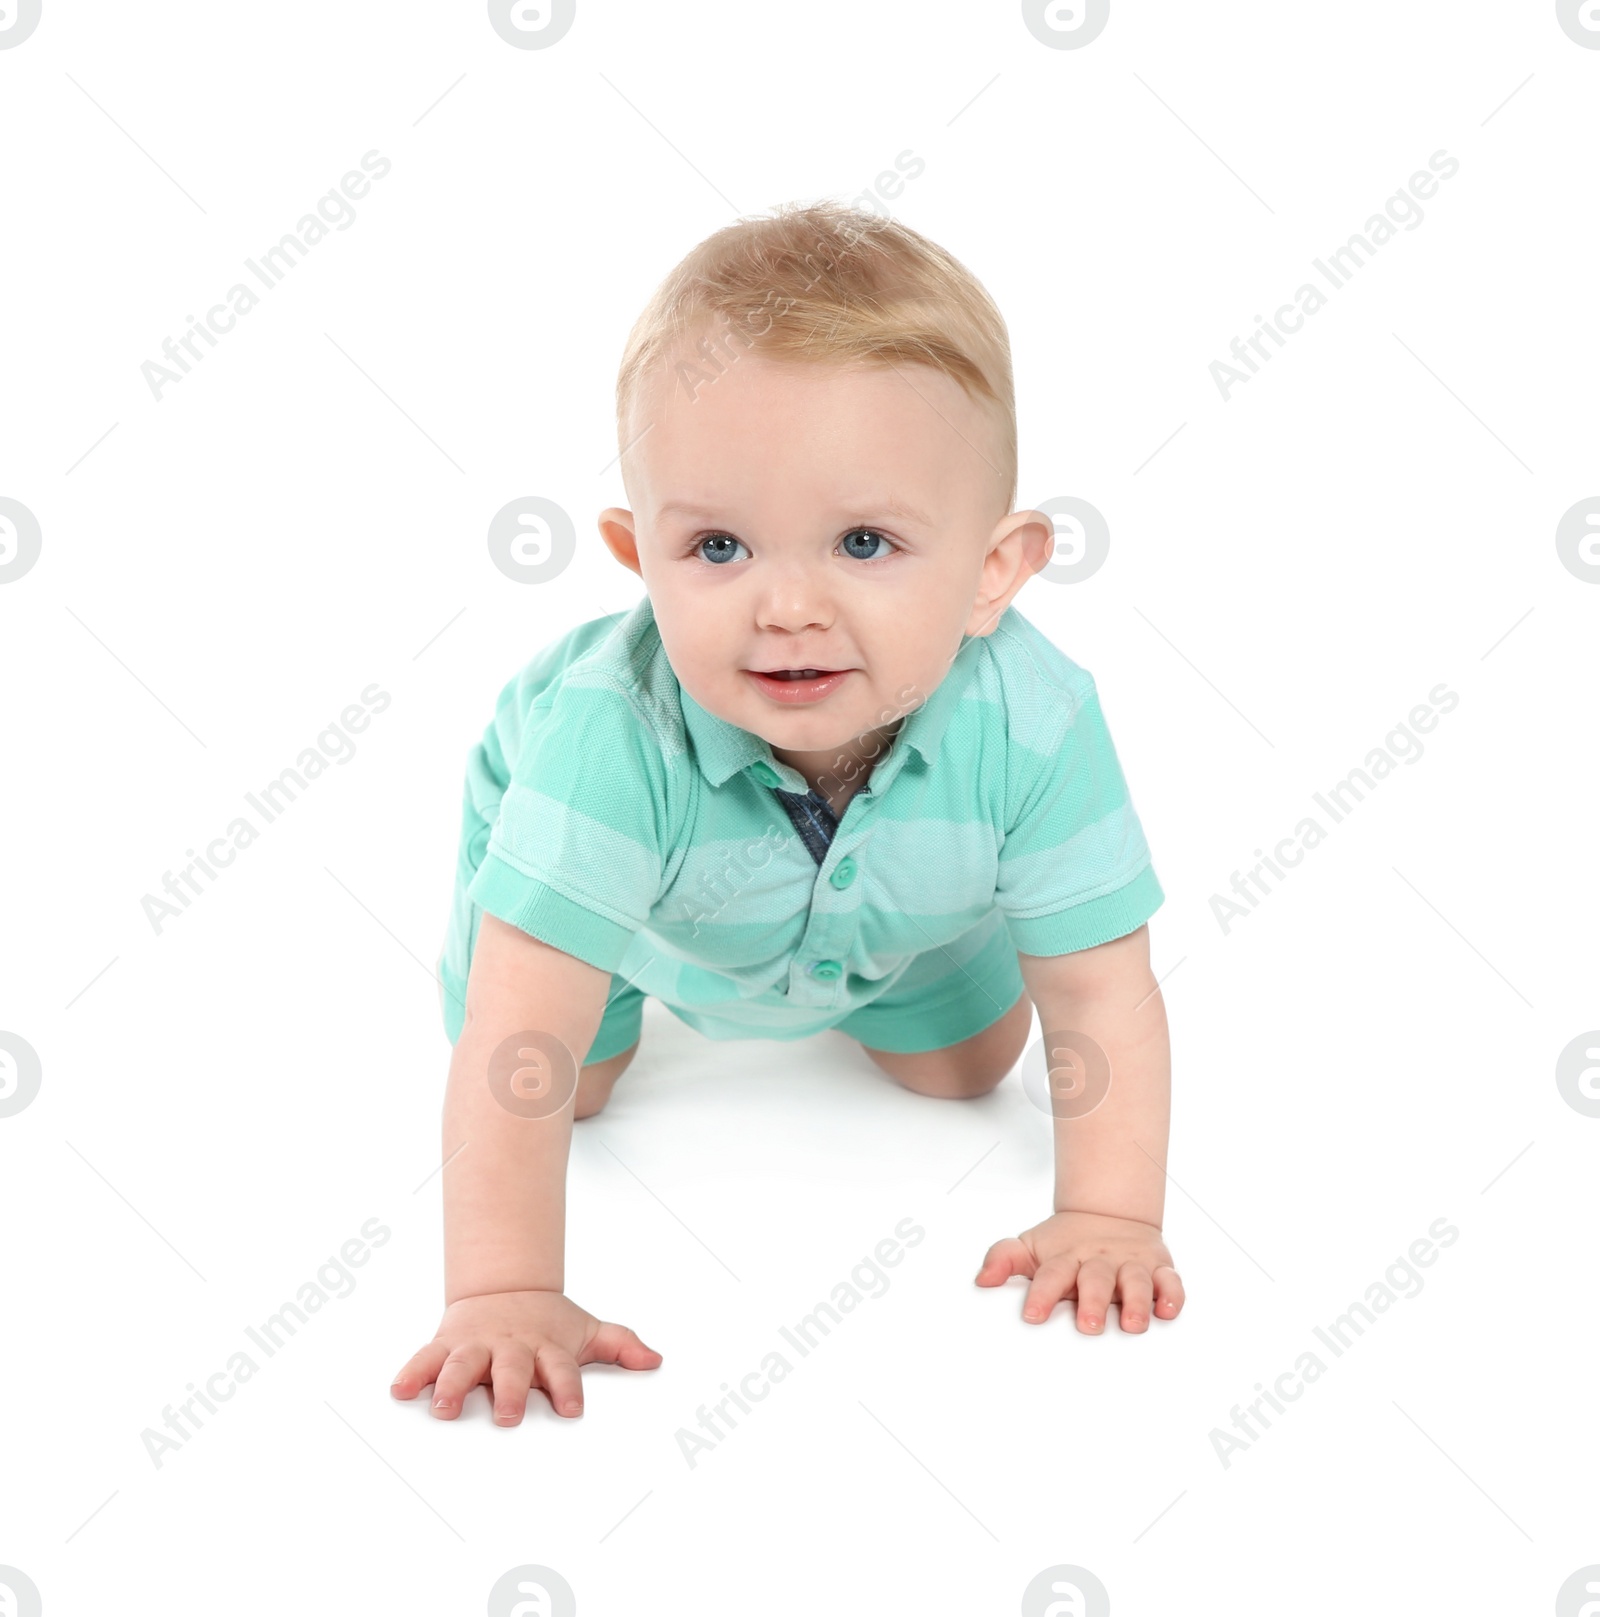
point(798, 685)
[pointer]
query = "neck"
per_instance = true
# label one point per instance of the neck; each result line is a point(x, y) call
point(838, 773)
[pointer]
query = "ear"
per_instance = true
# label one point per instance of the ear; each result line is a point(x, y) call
point(616, 528)
point(1019, 546)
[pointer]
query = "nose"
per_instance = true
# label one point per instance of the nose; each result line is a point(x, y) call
point(794, 598)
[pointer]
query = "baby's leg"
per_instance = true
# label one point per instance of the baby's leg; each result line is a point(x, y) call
point(961, 1071)
point(596, 1079)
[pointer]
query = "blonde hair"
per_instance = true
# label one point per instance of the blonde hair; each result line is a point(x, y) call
point(827, 283)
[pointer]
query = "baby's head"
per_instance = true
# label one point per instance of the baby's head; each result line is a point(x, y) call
point(819, 442)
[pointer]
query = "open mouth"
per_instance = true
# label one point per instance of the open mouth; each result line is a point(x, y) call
point(798, 684)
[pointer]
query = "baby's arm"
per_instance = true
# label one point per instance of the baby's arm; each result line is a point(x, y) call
point(506, 1320)
point(1104, 1238)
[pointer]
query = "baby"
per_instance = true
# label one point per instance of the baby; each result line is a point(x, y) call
point(823, 775)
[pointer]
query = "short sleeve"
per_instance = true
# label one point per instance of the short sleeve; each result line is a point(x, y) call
point(575, 852)
point(1074, 867)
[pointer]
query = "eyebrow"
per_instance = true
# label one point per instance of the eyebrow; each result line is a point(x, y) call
point(890, 507)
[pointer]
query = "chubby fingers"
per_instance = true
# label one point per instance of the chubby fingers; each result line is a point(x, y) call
point(419, 1370)
point(509, 1380)
point(560, 1377)
point(1169, 1292)
point(1097, 1282)
point(463, 1370)
point(1094, 1281)
point(1004, 1259)
point(1134, 1286)
point(616, 1344)
point(1055, 1278)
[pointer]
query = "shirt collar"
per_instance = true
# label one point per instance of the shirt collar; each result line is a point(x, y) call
point(722, 749)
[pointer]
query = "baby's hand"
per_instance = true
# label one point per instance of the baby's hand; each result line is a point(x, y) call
point(1093, 1257)
point(515, 1340)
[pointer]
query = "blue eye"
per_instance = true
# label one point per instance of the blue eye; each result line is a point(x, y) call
point(717, 556)
point(862, 544)
point(871, 535)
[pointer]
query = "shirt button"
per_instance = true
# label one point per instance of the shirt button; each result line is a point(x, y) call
point(845, 873)
point(765, 774)
point(827, 969)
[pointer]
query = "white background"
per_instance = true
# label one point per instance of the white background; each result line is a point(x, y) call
point(1372, 1049)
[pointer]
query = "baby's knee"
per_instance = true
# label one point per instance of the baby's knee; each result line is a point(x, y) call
point(948, 1074)
point(973, 1067)
point(596, 1079)
point(953, 1081)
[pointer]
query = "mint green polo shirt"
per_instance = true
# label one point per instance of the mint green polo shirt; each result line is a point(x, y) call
point(609, 814)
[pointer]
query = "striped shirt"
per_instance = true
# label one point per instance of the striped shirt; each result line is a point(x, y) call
point(610, 815)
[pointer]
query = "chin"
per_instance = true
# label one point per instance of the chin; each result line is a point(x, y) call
point(809, 734)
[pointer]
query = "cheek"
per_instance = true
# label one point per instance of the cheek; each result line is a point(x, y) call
point(700, 652)
point(902, 623)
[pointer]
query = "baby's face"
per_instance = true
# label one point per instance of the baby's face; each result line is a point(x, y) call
point(849, 520)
